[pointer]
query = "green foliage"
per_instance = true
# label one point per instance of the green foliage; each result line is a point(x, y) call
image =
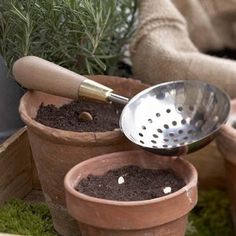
point(87, 36)
point(211, 216)
point(31, 219)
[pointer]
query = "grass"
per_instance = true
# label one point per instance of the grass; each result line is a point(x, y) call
point(19, 217)
point(209, 218)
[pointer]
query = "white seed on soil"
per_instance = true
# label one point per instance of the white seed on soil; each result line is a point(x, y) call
point(167, 190)
point(121, 180)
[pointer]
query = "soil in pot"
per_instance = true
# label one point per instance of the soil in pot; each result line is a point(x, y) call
point(131, 183)
point(81, 116)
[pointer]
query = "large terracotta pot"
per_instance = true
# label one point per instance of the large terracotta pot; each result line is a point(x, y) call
point(156, 217)
point(226, 143)
point(56, 151)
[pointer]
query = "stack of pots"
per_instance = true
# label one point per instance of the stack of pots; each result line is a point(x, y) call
point(56, 151)
point(226, 143)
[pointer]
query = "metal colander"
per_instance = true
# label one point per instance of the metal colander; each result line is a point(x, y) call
point(175, 118)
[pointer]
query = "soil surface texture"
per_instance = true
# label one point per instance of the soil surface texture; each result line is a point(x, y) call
point(131, 183)
point(81, 116)
point(226, 53)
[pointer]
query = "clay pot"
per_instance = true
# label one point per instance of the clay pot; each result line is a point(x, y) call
point(156, 217)
point(56, 151)
point(226, 144)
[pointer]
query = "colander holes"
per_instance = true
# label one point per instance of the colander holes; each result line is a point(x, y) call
point(150, 120)
point(144, 127)
point(166, 140)
point(180, 108)
point(171, 134)
point(183, 122)
point(155, 136)
point(166, 126)
point(176, 140)
point(191, 108)
point(154, 146)
point(190, 131)
point(168, 110)
point(180, 131)
point(174, 123)
point(153, 141)
point(140, 134)
point(164, 146)
point(141, 141)
point(159, 130)
point(158, 114)
point(186, 137)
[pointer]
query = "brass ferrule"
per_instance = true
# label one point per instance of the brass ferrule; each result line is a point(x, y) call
point(93, 90)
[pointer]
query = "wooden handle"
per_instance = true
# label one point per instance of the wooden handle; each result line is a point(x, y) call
point(38, 74)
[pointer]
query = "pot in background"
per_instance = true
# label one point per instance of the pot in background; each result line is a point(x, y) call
point(162, 216)
point(56, 151)
point(226, 144)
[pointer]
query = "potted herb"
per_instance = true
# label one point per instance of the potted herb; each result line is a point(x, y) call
point(56, 150)
point(88, 37)
point(131, 193)
point(226, 143)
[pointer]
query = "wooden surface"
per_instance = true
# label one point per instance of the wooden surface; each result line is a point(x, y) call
point(15, 167)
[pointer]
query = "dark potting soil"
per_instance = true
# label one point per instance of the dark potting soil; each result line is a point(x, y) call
point(105, 117)
point(224, 53)
point(139, 184)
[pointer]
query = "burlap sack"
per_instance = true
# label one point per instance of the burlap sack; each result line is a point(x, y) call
point(172, 36)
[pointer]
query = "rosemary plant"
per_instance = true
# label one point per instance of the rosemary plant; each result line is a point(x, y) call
point(87, 36)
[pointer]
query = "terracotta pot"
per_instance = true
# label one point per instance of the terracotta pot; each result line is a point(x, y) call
point(226, 143)
point(56, 151)
point(156, 217)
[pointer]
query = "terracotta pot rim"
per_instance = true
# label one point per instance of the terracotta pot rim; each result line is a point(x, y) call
point(65, 136)
point(72, 191)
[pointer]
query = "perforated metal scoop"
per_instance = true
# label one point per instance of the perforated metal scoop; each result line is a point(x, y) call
point(175, 118)
point(171, 118)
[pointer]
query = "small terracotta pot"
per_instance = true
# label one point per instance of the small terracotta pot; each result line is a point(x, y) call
point(226, 144)
point(55, 151)
point(156, 217)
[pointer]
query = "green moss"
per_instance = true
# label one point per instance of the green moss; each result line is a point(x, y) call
point(26, 218)
point(211, 216)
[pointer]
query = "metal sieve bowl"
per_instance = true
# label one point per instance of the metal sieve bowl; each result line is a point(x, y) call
point(175, 118)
